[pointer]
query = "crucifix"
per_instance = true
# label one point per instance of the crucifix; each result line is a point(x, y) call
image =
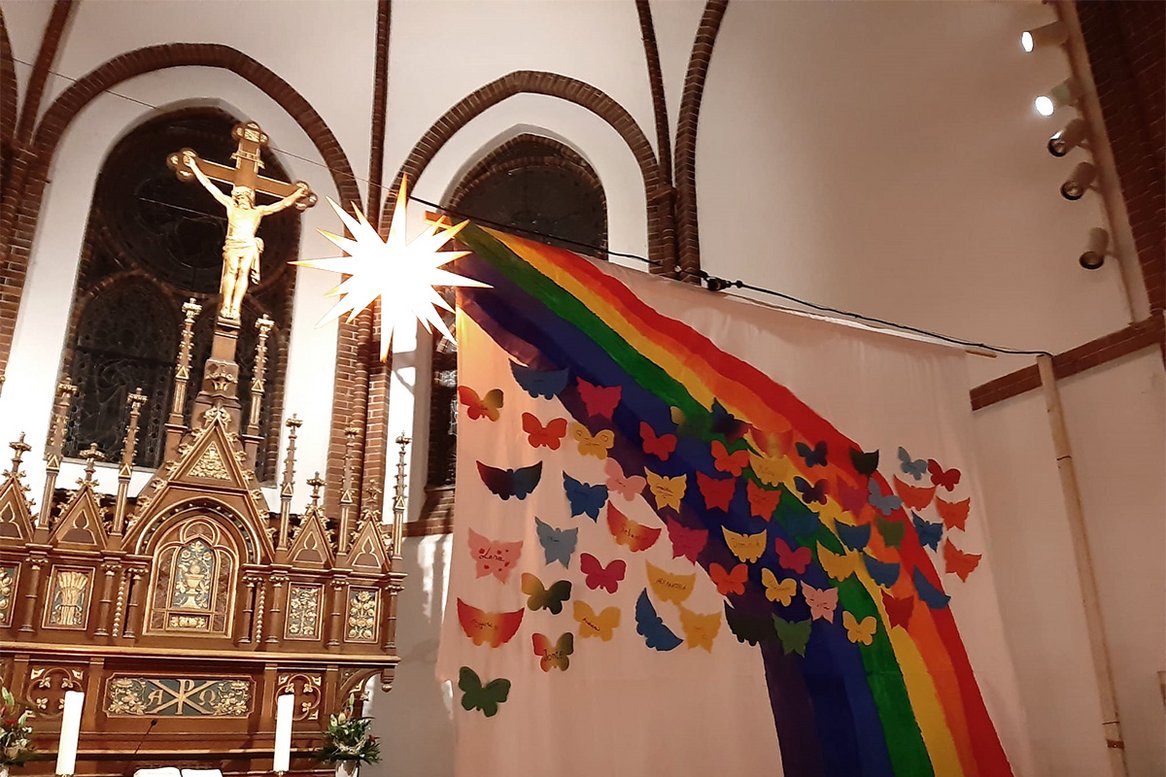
point(242, 248)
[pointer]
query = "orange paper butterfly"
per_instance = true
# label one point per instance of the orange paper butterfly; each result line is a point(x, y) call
point(550, 436)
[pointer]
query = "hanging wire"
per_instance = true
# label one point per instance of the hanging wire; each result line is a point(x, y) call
point(711, 282)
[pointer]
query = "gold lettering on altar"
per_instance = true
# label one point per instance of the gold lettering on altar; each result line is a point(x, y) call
point(178, 697)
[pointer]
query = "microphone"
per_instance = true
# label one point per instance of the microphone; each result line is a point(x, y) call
point(149, 728)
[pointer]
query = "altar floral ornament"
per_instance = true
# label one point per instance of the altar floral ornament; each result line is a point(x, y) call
point(15, 731)
point(348, 742)
point(401, 273)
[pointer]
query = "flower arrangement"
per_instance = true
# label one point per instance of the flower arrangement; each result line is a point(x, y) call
point(15, 732)
point(348, 739)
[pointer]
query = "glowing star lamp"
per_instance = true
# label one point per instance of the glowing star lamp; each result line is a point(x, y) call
point(284, 709)
point(70, 731)
point(400, 273)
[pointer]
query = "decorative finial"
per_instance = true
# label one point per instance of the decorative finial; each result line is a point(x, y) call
point(66, 387)
point(136, 399)
point(191, 309)
point(91, 455)
point(293, 423)
point(19, 448)
point(316, 483)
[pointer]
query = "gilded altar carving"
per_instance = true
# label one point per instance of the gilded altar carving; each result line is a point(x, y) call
point(305, 604)
point(193, 584)
point(47, 686)
point(69, 594)
point(200, 697)
point(361, 623)
point(306, 689)
point(211, 465)
point(8, 578)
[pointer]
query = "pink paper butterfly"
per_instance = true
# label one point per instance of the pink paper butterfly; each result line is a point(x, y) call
point(822, 603)
point(492, 557)
point(627, 487)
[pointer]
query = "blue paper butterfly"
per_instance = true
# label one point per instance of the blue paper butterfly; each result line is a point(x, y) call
point(558, 544)
point(934, 598)
point(929, 533)
point(885, 573)
point(916, 468)
point(651, 627)
point(539, 383)
point(853, 537)
point(816, 456)
point(585, 499)
point(885, 504)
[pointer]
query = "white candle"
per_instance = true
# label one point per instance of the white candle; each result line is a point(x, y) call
point(70, 730)
point(284, 707)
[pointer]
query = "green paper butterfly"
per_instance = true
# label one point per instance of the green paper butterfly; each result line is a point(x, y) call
point(476, 696)
point(539, 597)
point(892, 531)
point(793, 634)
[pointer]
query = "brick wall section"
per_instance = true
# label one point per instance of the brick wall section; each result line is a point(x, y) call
point(686, 125)
point(1126, 42)
point(8, 105)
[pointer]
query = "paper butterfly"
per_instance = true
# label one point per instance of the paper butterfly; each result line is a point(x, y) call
point(864, 463)
point(931, 595)
point(954, 514)
point(762, 502)
point(492, 557)
point(891, 530)
point(596, 445)
point(550, 436)
point(667, 491)
point(947, 478)
point(492, 628)
point(733, 463)
point(505, 483)
point(627, 487)
point(539, 383)
point(836, 566)
point(669, 587)
point(898, 610)
point(913, 467)
point(650, 626)
point(661, 446)
point(553, 656)
point(956, 562)
point(635, 536)
point(686, 542)
point(885, 573)
point(480, 407)
point(853, 537)
point(584, 498)
point(558, 544)
point(602, 625)
point(484, 698)
point(597, 576)
point(747, 627)
point(746, 547)
point(599, 400)
point(853, 500)
point(771, 442)
point(538, 597)
point(729, 582)
point(915, 497)
point(699, 630)
point(814, 457)
point(793, 560)
point(822, 601)
point(717, 421)
point(717, 492)
point(885, 504)
point(811, 494)
point(780, 591)
point(859, 630)
point(769, 469)
point(929, 533)
point(794, 635)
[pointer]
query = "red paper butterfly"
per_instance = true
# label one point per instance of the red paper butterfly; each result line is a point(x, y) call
point(898, 610)
point(685, 541)
point(599, 576)
point(853, 500)
point(661, 446)
point(939, 476)
point(762, 501)
point(550, 436)
point(729, 581)
point(793, 560)
point(724, 461)
point(600, 400)
point(956, 562)
point(480, 407)
point(717, 492)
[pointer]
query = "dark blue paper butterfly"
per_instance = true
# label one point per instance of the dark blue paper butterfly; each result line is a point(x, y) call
point(885, 573)
point(539, 383)
point(853, 537)
point(814, 493)
point(816, 456)
point(505, 483)
point(929, 533)
point(916, 468)
point(885, 504)
point(585, 499)
point(650, 626)
point(934, 598)
point(558, 544)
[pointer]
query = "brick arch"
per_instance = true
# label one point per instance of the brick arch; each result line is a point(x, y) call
point(7, 98)
point(656, 189)
point(24, 193)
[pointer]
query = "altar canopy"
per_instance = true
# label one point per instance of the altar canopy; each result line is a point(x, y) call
point(696, 535)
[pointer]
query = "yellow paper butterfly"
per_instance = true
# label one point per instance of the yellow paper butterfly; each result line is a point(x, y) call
point(859, 631)
point(837, 567)
point(769, 469)
point(782, 591)
point(669, 587)
point(668, 491)
point(596, 445)
point(602, 625)
point(700, 630)
point(746, 547)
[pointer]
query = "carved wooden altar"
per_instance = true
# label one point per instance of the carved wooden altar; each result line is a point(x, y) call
point(183, 612)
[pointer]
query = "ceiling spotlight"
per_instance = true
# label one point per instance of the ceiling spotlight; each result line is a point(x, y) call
point(1094, 255)
point(1065, 93)
point(1077, 183)
point(1049, 35)
point(1068, 138)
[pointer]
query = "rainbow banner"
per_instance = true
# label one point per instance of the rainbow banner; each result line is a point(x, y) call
point(685, 522)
